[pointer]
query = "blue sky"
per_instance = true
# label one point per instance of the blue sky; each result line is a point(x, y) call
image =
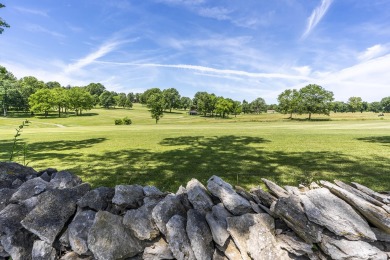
point(237, 49)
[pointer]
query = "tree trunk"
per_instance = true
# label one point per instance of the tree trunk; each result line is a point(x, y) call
point(59, 111)
point(291, 115)
point(309, 116)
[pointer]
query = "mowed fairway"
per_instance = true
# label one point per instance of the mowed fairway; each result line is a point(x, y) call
point(349, 147)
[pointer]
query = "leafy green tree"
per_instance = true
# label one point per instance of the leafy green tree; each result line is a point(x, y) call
point(314, 99)
point(185, 102)
point(258, 105)
point(385, 103)
point(60, 99)
point(375, 107)
point(288, 102)
point(205, 102)
point(121, 100)
point(52, 84)
point(79, 99)
point(223, 106)
point(156, 103)
point(7, 81)
point(29, 85)
point(3, 24)
point(41, 101)
point(237, 108)
point(172, 98)
point(355, 104)
point(246, 108)
point(15, 99)
point(364, 107)
point(339, 106)
point(145, 96)
point(107, 99)
point(129, 100)
point(95, 88)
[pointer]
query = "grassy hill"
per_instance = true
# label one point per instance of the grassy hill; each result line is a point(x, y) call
point(242, 149)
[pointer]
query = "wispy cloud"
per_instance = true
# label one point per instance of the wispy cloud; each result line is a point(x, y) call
point(38, 28)
point(373, 52)
point(31, 11)
point(218, 13)
point(316, 17)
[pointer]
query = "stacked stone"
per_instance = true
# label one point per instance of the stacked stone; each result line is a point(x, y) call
point(53, 215)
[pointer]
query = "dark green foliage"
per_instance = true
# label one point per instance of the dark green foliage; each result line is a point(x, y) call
point(118, 122)
point(3, 24)
point(124, 121)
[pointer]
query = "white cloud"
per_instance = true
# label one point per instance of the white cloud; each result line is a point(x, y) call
point(304, 70)
point(218, 13)
point(316, 17)
point(38, 28)
point(373, 52)
point(31, 11)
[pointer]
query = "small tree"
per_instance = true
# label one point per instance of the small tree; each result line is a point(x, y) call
point(288, 102)
point(385, 103)
point(258, 105)
point(315, 99)
point(355, 104)
point(156, 103)
point(42, 101)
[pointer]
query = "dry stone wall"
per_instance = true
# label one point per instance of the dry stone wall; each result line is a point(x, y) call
point(54, 215)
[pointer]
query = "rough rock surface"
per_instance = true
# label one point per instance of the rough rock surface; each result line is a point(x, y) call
point(43, 251)
point(28, 189)
point(178, 240)
point(230, 250)
point(97, 199)
point(78, 231)
point(128, 196)
point(217, 223)
point(65, 179)
point(278, 191)
point(158, 250)
point(293, 244)
point(197, 195)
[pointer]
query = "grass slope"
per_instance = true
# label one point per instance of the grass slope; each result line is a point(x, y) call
point(349, 147)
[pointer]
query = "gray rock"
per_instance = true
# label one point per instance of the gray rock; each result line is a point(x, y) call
point(64, 239)
point(218, 225)
point(264, 197)
point(109, 239)
point(165, 209)
point(292, 190)
point(292, 213)
point(178, 240)
point(233, 202)
point(197, 195)
point(18, 244)
point(43, 251)
point(339, 248)
point(157, 251)
point(29, 189)
point(45, 176)
point(380, 235)
point(374, 214)
point(97, 199)
point(141, 222)
point(253, 235)
point(15, 171)
point(293, 244)
point(381, 197)
point(128, 196)
point(230, 250)
point(5, 196)
point(183, 197)
point(16, 183)
point(326, 209)
point(10, 218)
point(278, 191)
point(48, 218)
point(218, 255)
point(200, 235)
point(256, 207)
point(243, 193)
point(78, 231)
point(65, 179)
point(152, 191)
point(74, 256)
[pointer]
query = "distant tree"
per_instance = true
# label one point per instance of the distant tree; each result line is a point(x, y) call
point(364, 107)
point(7, 79)
point(246, 108)
point(237, 108)
point(355, 104)
point(79, 100)
point(60, 99)
point(339, 106)
point(121, 100)
point(131, 97)
point(314, 99)
point(223, 106)
point(29, 85)
point(385, 103)
point(129, 100)
point(41, 101)
point(289, 101)
point(185, 102)
point(171, 98)
point(145, 96)
point(258, 105)
point(3, 24)
point(272, 107)
point(137, 97)
point(107, 99)
point(95, 88)
point(205, 102)
point(52, 84)
point(375, 107)
point(156, 103)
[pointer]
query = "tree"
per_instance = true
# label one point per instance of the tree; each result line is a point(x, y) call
point(339, 106)
point(3, 24)
point(223, 106)
point(315, 99)
point(205, 102)
point(258, 105)
point(79, 99)
point(145, 96)
point(7, 79)
point(129, 100)
point(107, 99)
point(375, 107)
point(237, 108)
point(288, 102)
point(171, 98)
point(185, 102)
point(156, 103)
point(385, 103)
point(246, 108)
point(95, 88)
point(28, 86)
point(41, 101)
point(60, 98)
point(121, 100)
point(355, 104)
point(52, 84)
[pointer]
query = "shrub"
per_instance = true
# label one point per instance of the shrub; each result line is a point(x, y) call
point(118, 122)
point(126, 121)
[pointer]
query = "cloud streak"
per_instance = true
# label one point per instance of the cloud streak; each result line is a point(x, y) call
point(316, 17)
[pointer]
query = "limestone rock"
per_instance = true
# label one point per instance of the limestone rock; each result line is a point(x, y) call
point(141, 222)
point(183, 197)
point(151, 191)
point(339, 248)
point(278, 191)
point(43, 251)
point(128, 196)
point(97, 199)
point(233, 202)
point(78, 231)
point(48, 218)
point(18, 244)
point(264, 197)
point(158, 250)
point(65, 179)
point(28, 189)
point(74, 256)
point(218, 255)
point(293, 244)
point(326, 209)
point(14, 171)
point(230, 250)
point(291, 211)
point(217, 223)
point(200, 235)
point(178, 240)
point(381, 197)
point(197, 195)
point(109, 239)
point(165, 209)
point(5, 196)
point(381, 236)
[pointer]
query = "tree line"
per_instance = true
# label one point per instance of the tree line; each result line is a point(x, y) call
point(31, 94)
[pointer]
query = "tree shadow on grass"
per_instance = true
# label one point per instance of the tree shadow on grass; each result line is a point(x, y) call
point(385, 140)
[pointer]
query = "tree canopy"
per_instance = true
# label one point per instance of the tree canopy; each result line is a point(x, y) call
point(3, 24)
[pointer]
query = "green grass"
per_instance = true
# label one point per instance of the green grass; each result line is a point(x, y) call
point(241, 150)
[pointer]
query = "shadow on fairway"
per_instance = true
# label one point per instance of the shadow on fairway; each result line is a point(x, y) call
point(385, 140)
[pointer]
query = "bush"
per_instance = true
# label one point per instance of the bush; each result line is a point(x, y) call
point(118, 122)
point(126, 121)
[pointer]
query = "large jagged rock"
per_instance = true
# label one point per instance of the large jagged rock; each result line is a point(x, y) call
point(233, 202)
point(10, 171)
point(29, 189)
point(230, 250)
point(43, 251)
point(128, 196)
point(263, 196)
point(339, 248)
point(278, 191)
point(178, 240)
point(291, 211)
point(217, 223)
point(254, 236)
point(141, 222)
point(5, 196)
point(197, 195)
point(381, 197)
point(158, 250)
point(109, 239)
point(74, 256)
point(326, 209)
point(293, 244)
point(376, 215)
point(78, 231)
point(183, 196)
point(65, 180)
point(19, 244)
point(218, 255)
point(200, 235)
point(56, 206)
point(165, 209)
point(381, 236)
point(97, 199)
